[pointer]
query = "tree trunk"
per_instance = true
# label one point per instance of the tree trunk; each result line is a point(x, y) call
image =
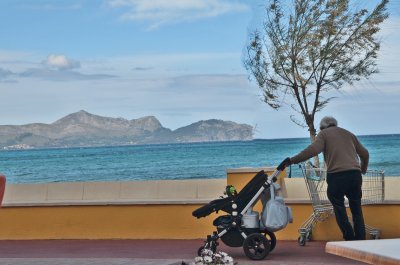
point(313, 134)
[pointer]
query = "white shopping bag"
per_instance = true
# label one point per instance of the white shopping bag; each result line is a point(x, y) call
point(276, 214)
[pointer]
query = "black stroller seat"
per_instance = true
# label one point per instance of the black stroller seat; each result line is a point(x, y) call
point(241, 199)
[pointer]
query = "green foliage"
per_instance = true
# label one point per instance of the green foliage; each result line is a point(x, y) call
point(310, 48)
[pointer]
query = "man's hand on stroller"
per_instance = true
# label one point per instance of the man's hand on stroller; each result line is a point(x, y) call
point(285, 163)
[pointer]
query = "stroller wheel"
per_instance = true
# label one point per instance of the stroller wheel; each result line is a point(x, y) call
point(213, 248)
point(256, 246)
point(272, 239)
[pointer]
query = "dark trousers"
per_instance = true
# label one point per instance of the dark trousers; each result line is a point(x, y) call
point(347, 183)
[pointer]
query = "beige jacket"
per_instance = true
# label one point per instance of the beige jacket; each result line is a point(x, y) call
point(342, 151)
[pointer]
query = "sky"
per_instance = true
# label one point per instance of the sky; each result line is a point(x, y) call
point(178, 60)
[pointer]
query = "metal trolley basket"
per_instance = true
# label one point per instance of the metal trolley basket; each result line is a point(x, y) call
point(315, 179)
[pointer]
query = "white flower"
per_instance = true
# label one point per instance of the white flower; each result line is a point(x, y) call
point(227, 259)
point(223, 254)
point(207, 252)
point(208, 257)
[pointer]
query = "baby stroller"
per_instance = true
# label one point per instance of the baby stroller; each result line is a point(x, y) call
point(243, 227)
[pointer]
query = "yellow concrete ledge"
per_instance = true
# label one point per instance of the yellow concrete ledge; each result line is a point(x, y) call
point(159, 221)
point(111, 193)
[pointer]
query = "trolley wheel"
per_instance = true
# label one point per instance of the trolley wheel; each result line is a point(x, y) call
point(301, 240)
point(256, 246)
point(375, 237)
point(270, 236)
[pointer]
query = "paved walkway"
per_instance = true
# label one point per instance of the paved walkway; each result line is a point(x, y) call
point(150, 252)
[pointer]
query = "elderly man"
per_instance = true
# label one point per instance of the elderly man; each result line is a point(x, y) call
point(346, 158)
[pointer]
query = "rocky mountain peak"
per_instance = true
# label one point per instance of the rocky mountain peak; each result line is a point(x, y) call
point(84, 118)
point(151, 123)
point(77, 117)
point(215, 130)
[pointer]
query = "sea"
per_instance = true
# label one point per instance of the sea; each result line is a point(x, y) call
point(173, 161)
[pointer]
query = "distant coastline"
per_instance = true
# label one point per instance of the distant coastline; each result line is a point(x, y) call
point(377, 135)
point(83, 129)
point(131, 145)
point(26, 147)
point(361, 135)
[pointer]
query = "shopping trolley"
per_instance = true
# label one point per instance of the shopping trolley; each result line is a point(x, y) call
point(315, 179)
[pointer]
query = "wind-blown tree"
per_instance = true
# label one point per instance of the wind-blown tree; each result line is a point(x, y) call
point(310, 48)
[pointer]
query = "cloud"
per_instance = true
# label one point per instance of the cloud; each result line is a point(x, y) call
point(61, 62)
point(54, 68)
point(5, 73)
point(160, 12)
point(142, 68)
point(6, 76)
point(56, 75)
point(214, 81)
point(201, 93)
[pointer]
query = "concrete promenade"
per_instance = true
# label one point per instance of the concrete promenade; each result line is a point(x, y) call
point(150, 252)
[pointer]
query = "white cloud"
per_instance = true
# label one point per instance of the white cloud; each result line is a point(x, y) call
point(214, 81)
point(5, 73)
point(55, 75)
point(18, 66)
point(160, 12)
point(61, 62)
point(6, 76)
point(169, 64)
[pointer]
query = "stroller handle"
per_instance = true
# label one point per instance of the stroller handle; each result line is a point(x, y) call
point(285, 163)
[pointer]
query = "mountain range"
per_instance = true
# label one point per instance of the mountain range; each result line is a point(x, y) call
point(85, 129)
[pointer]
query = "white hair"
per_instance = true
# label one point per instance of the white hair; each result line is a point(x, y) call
point(327, 121)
